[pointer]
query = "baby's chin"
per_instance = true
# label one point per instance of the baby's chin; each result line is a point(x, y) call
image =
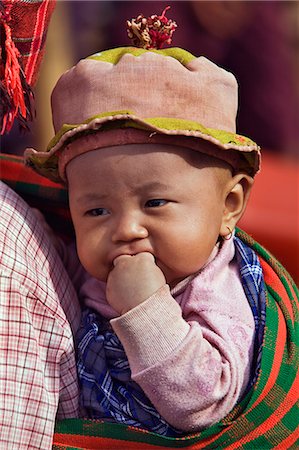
point(100, 276)
point(174, 279)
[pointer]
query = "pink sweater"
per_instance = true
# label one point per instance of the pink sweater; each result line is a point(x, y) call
point(191, 349)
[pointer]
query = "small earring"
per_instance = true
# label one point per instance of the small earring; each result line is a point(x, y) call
point(229, 235)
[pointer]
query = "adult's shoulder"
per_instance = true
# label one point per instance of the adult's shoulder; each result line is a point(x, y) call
point(28, 256)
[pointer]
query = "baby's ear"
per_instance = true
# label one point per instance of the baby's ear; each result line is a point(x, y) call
point(237, 191)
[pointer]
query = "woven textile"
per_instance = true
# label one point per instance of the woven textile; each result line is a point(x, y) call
point(106, 388)
point(39, 192)
point(29, 22)
point(253, 282)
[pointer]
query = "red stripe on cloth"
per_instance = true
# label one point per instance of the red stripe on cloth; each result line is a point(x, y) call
point(10, 171)
point(289, 401)
point(278, 355)
point(24, 47)
point(36, 41)
point(95, 443)
point(288, 442)
point(273, 280)
point(16, 171)
point(295, 296)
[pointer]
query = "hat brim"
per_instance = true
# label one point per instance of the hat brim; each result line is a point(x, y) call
point(47, 163)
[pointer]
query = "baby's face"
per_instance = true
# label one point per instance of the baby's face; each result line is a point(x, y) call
point(150, 198)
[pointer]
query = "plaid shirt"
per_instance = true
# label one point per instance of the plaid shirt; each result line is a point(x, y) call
point(38, 380)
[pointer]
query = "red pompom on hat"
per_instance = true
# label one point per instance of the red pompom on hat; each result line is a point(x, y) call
point(152, 32)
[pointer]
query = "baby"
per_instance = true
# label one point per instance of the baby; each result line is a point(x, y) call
point(173, 302)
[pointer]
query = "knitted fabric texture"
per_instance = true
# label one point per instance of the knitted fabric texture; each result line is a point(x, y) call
point(24, 26)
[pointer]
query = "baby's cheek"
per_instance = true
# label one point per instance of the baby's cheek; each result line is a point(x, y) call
point(92, 261)
point(189, 257)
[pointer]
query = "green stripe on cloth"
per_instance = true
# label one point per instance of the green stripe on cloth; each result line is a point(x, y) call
point(51, 198)
point(27, 182)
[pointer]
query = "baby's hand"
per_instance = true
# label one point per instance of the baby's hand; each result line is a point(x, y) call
point(132, 280)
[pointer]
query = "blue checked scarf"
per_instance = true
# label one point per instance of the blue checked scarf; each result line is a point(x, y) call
point(107, 390)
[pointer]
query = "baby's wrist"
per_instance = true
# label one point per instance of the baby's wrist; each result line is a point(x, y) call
point(151, 331)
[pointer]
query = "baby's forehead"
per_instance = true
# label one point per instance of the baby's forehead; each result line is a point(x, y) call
point(152, 153)
point(193, 158)
point(147, 163)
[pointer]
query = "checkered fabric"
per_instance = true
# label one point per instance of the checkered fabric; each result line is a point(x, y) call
point(38, 378)
point(23, 25)
point(106, 387)
point(29, 23)
point(254, 287)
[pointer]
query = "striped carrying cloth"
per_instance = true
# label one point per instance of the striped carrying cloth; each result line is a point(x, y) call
point(267, 418)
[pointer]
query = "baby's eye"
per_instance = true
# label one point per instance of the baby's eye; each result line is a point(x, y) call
point(154, 203)
point(98, 212)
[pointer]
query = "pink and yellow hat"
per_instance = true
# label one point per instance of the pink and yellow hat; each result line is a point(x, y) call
point(134, 95)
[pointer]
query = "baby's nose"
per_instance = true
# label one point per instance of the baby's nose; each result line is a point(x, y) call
point(129, 228)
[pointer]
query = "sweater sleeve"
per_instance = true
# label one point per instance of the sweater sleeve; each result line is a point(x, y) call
point(193, 370)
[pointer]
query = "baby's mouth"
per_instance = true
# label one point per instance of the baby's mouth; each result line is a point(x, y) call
point(126, 252)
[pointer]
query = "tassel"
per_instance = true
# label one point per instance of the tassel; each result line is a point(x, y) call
point(152, 32)
point(16, 94)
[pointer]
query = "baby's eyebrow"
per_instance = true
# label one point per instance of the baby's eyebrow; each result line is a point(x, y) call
point(152, 185)
point(91, 197)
